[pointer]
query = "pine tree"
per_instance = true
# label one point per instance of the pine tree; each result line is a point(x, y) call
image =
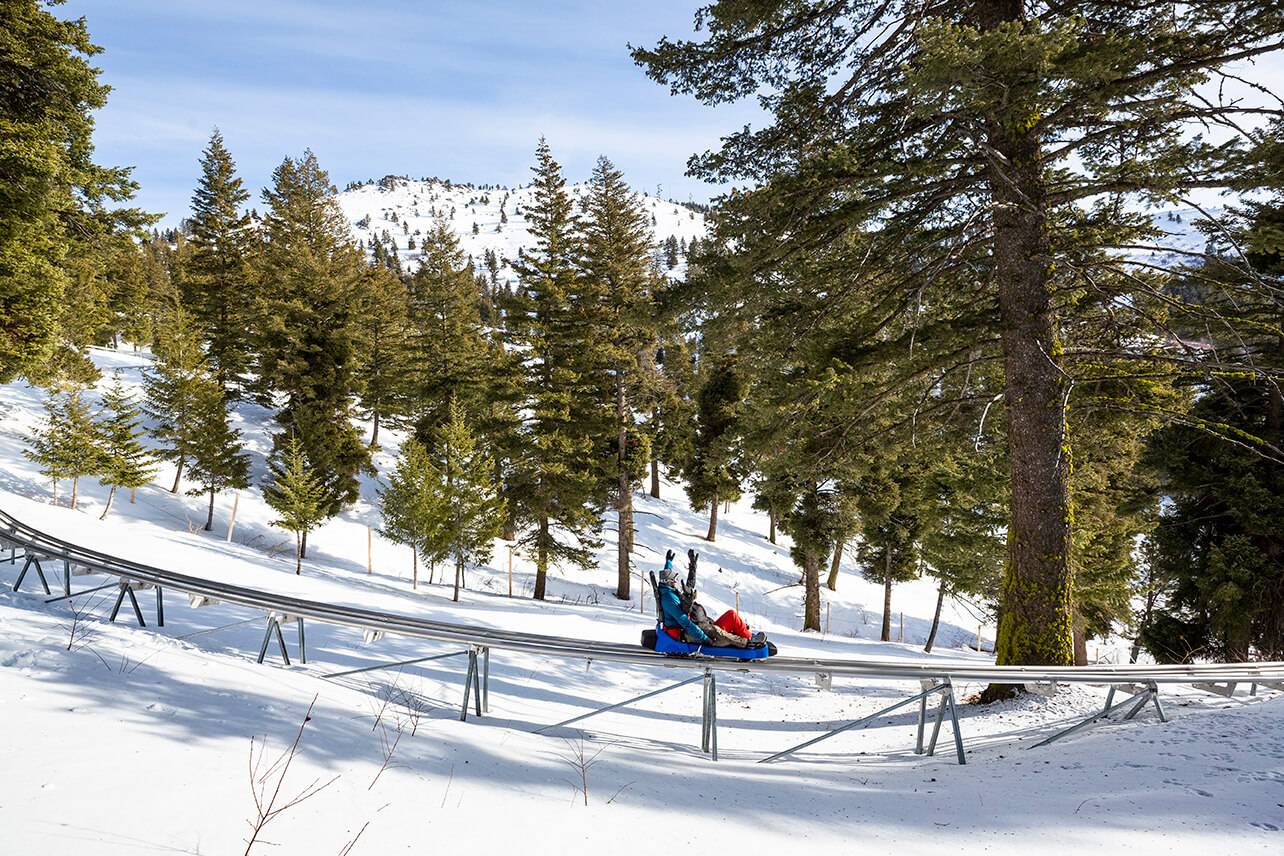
point(409, 504)
point(465, 491)
point(714, 472)
point(173, 391)
point(673, 413)
point(890, 499)
point(1018, 136)
point(310, 276)
point(217, 277)
point(217, 462)
point(67, 446)
point(54, 199)
point(447, 347)
point(384, 360)
point(129, 297)
point(126, 462)
point(1216, 575)
point(619, 314)
point(554, 485)
point(297, 494)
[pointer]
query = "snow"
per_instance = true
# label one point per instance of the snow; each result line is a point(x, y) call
point(138, 740)
point(417, 203)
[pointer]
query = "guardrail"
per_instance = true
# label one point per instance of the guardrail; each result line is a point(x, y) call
point(937, 674)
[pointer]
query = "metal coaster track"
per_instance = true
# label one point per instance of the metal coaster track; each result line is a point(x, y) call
point(36, 542)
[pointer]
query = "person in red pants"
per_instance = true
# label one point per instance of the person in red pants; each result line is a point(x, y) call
point(728, 631)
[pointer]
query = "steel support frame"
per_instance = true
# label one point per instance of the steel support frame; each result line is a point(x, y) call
point(32, 559)
point(274, 629)
point(1148, 694)
point(474, 689)
point(708, 710)
point(127, 589)
point(944, 689)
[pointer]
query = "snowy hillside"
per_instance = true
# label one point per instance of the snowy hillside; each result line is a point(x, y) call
point(130, 740)
point(485, 218)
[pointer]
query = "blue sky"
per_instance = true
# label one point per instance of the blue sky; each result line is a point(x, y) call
point(460, 90)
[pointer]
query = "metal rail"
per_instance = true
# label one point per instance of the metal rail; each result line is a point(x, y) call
point(39, 544)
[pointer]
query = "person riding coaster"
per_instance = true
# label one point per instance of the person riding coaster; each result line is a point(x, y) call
point(688, 627)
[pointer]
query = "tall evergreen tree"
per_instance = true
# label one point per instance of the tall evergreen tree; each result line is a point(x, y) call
point(54, 198)
point(126, 462)
point(621, 315)
point(173, 387)
point(217, 276)
point(1014, 130)
point(555, 486)
point(310, 276)
point(448, 351)
point(384, 359)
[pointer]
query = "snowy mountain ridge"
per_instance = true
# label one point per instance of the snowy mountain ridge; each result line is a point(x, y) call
point(485, 217)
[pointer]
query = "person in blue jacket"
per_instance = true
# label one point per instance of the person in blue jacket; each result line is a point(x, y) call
point(686, 619)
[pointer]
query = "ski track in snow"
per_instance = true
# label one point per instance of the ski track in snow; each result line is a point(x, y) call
point(137, 740)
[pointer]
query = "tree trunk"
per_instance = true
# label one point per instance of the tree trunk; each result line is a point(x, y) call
point(1037, 585)
point(209, 520)
point(541, 558)
point(1079, 627)
point(886, 635)
point(624, 498)
point(178, 474)
point(111, 494)
point(75, 490)
point(835, 563)
point(55, 491)
point(133, 495)
point(459, 575)
point(298, 554)
point(713, 519)
point(811, 589)
point(414, 568)
point(936, 618)
point(304, 548)
point(771, 522)
point(624, 572)
point(374, 431)
point(655, 478)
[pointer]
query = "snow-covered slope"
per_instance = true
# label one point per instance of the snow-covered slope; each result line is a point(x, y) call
point(125, 740)
point(484, 217)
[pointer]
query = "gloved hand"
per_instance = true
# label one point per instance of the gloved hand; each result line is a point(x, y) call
point(668, 557)
point(692, 558)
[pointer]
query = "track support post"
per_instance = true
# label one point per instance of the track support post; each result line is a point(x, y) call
point(32, 561)
point(943, 688)
point(127, 589)
point(1137, 696)
point(274, 629)
point(472, 686)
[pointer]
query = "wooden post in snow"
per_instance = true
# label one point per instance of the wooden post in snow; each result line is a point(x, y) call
point(414, 568)
point(510, 570)
point(900, 634)
point(737, 601)
point(231, 523)
point(978, 637)
point(369, 552)
point(827, 618)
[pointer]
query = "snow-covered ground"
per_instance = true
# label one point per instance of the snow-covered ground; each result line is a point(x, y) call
point(484, 218)
point(120, 739)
